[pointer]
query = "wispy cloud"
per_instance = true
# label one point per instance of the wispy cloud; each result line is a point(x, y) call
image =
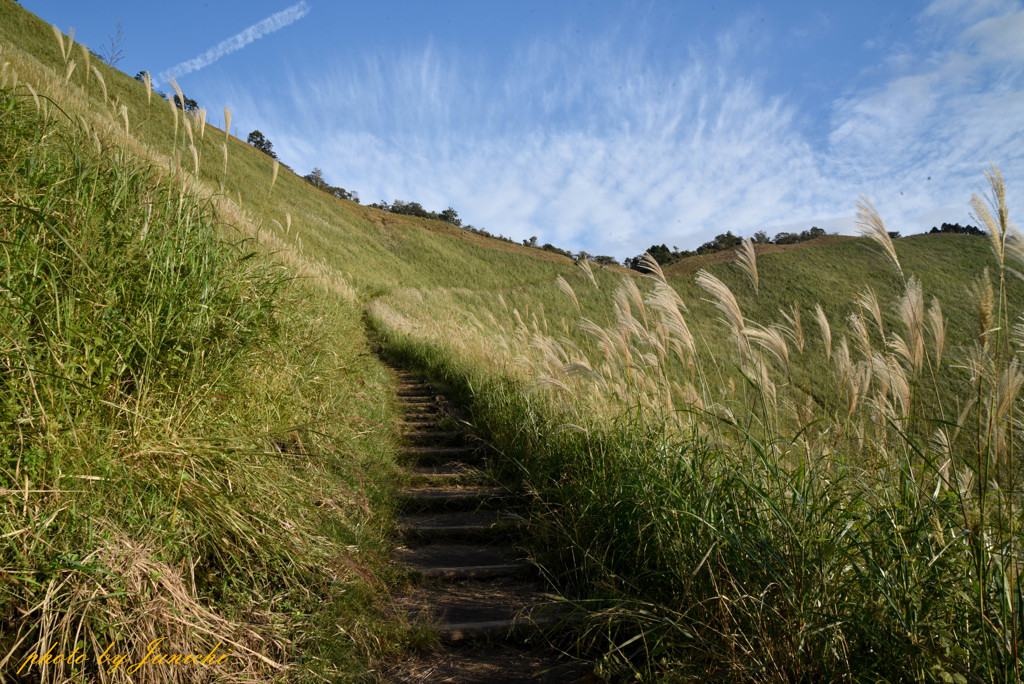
point(275, 22)
point(596, 145)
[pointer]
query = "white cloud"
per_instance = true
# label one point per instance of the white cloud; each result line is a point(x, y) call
point(594, 146)
point(274, 22)
point(920, 140)
point(1000, 37)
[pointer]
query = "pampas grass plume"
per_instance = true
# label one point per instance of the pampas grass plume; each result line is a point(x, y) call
point(870, 225)
point(746, 258)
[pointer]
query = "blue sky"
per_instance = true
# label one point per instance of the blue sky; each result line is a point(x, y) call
point(609, 126)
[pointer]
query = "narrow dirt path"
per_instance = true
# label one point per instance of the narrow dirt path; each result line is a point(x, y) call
point(471, 579)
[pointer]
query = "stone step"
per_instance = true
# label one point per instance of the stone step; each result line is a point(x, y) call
point(456, 525)
point(438, 455)
point(424, 412)
point(454, 497)
point(445, 474)
point(434, 436)
point(453, 562)
point(494, 609)
point(418, 399)
point(420, 421)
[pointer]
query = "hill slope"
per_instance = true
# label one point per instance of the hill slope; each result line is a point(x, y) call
point(198, 441)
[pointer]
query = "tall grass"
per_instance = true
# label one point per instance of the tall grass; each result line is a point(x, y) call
point(167, 464)
point(723, 508)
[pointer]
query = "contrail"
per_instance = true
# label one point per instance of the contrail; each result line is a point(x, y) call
point(275, 22)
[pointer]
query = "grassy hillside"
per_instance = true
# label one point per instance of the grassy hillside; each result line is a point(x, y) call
point(815, 480)
point(197, 440)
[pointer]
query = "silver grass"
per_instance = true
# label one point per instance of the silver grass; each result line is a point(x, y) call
point(566, 288)
point(547, 382)
point(188, 129)
point(868, 300)
point(826, 329)
point(981, 292)
point(1010, 382)
point(993, 213)
point(771, 340)
point(746, 258)
point(938, 328)
point(870, 225)
point(103, 84)
point(177, 91)
point(910, 309)
point(60, 41)
point(722, 298)
point(861, 336)
point(665, 300)
point(32, 91)
point(174, 111)
point(650, 266)
point(633, 292)
point(86, 59)
point(757, 371)
point(584, 264)
point(795, 330)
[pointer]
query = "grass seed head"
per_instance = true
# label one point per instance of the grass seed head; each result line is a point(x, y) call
point(86, 57)
point(746, 259)
point(826, 329)
point(103, 83)
point(870, 225)
point(60, 41)
point(938, 328)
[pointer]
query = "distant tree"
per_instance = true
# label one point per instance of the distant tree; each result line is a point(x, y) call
point(894, 234)
point(257, 140)
point(957, 228)
point(606, 260)
point(785, 238)
point(548, 247)
point(761, 238)
point(661, 254)
point(811, 233)
point(141, 76)
point(189, 105)
point(314, 177)
point(721, 242)
point(410, 209)
point(342, 193)
point(532, 242)
point(451, 216)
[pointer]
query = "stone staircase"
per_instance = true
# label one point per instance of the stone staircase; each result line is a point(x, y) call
point(471, 581)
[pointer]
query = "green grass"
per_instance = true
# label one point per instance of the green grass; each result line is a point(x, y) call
point(176, 458)
point(759, 531)
point(199, 442)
